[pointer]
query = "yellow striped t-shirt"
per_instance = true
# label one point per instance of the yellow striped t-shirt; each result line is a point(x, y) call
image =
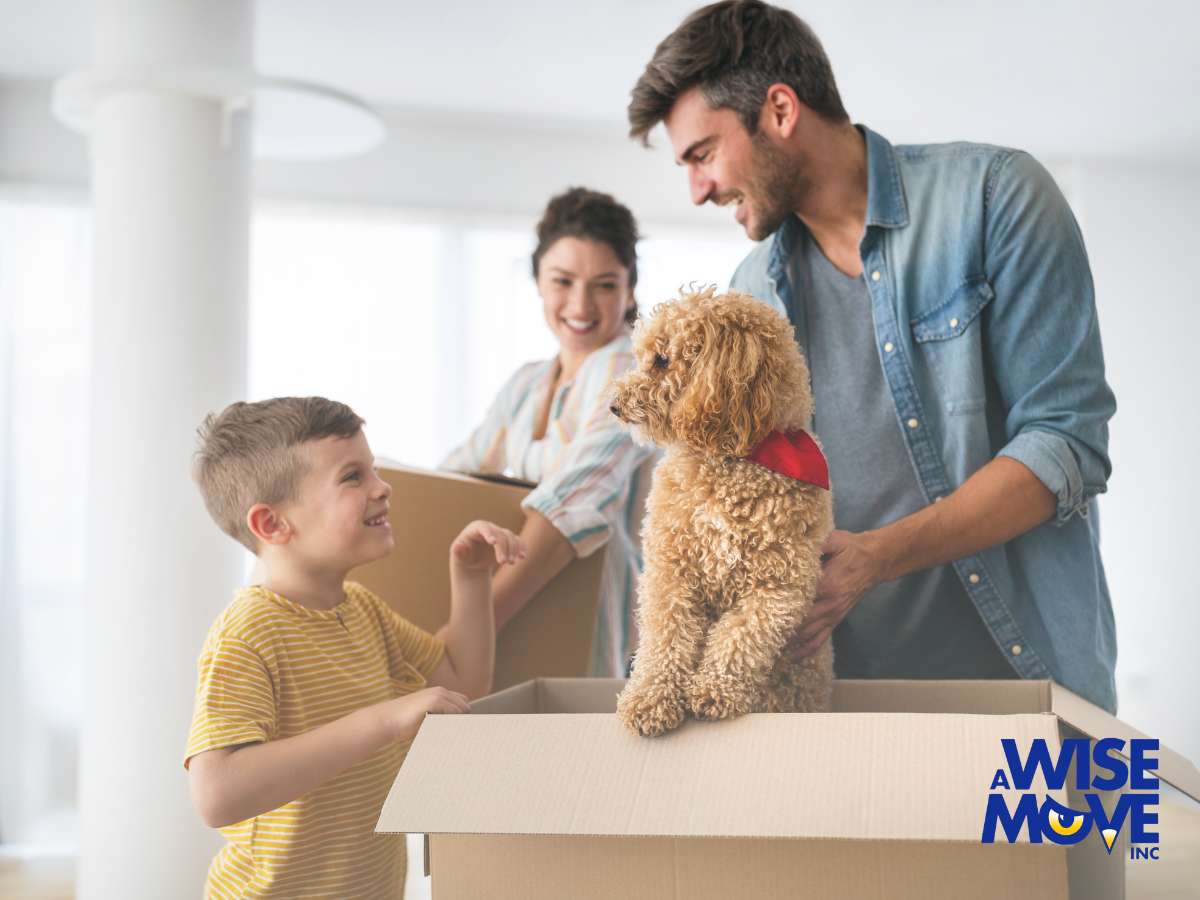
point(273, 669)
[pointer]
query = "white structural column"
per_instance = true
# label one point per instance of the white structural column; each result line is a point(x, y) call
point(170, 182)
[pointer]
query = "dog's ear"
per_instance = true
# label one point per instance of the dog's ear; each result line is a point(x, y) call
point(729, 405)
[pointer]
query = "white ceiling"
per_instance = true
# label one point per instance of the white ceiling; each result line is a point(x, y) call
point(1065, 79)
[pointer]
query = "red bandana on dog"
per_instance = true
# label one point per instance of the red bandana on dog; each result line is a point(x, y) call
point(794, 454)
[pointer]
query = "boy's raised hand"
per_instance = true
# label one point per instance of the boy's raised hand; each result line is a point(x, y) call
point(482, 546)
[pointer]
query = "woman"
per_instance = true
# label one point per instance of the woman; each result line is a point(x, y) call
point(551, 423)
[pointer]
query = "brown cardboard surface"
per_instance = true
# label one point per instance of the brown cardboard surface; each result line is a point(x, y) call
point(520, 699)
point(1175, 874)
point(551, 636)
point(513, 867)
point(1172, 768)
point(554, 695)
point(986, 697)
point(1093, 872)
point(881, 798)
point(1005, 697)
point(996, 697)
point(895, 776)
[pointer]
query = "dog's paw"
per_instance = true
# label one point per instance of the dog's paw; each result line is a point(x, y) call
point(650, 712)
point(718, 698)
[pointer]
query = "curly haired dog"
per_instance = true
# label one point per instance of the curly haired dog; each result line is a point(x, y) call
point(732, 547)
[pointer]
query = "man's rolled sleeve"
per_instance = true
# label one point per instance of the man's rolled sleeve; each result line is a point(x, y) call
point(1043, 335)
point(1050, 458)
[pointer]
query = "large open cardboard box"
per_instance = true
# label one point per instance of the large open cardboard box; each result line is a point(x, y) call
point(541, 793)
point(551, 636)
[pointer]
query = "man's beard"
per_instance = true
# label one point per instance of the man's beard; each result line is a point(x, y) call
point(773, 186)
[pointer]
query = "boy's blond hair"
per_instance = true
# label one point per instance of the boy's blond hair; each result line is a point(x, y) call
point(251, 453)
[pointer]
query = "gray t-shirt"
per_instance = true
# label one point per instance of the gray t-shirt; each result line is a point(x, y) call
point(923, 625)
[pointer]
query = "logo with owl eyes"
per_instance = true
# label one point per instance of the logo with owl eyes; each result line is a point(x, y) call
point(1100, 770)
point(1063, 825)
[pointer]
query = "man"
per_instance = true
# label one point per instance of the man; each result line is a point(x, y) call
point(943, 297)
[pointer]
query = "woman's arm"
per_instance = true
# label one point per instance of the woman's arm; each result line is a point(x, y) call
point(569, 514)
point(547, 554)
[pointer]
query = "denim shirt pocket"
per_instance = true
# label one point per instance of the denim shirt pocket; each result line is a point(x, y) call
point(954, 316)
point(949, 339)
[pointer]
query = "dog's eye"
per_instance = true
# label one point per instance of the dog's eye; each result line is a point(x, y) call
point(660, 361)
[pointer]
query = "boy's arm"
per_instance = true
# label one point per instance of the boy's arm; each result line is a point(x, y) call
point(470, 635)
point(231, 784)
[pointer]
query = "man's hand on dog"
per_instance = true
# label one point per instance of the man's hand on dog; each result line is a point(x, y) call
point(852, 563)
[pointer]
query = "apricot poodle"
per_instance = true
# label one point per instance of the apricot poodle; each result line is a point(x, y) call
point(737, 513)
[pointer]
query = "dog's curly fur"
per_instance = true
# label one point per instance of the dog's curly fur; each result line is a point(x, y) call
point(732, 549)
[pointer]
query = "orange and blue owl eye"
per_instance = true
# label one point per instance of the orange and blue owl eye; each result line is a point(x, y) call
point(1064, 825)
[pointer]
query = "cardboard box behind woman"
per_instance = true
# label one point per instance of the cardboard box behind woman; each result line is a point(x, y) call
point(551, 636)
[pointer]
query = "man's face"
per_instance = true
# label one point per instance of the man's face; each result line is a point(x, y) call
point(726, 164)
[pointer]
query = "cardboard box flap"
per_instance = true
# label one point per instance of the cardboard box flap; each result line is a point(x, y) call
point(500, 478)
point(995, 697)
point(1006, 697)
point(834, 776)
point(520, 699)
point(1091, 720)
point(978, 697)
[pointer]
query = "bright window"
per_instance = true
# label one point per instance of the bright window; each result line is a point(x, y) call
point(415, 322)
point(44, 314)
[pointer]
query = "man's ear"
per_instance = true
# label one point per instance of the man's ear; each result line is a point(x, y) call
point(267, 525)
point(781, 111)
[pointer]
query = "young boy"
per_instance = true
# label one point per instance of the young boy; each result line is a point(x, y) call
point(310, 686)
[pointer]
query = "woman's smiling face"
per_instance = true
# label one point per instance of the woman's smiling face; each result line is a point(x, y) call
point(585, 294)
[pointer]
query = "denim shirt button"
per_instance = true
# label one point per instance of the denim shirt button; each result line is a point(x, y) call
point(913, 423)
point(1016, 649)
point(875, 275)
point(889, 347)
point(974, 579)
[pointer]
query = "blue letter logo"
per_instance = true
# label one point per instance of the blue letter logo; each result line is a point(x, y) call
point(1097, 768)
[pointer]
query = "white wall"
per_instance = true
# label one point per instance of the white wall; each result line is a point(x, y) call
point(446, 163)
point(1140, 239)
point(1140, 226)
point(33, 146)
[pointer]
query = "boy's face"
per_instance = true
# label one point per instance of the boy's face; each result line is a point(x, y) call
point(340, 519)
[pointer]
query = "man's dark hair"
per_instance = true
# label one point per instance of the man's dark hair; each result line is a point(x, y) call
point(733, 51)
point(593, 216)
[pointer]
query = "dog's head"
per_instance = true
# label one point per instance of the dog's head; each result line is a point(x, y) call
point(716, 373)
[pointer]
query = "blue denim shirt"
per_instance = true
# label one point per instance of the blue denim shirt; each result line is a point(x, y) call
point(985, 322)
